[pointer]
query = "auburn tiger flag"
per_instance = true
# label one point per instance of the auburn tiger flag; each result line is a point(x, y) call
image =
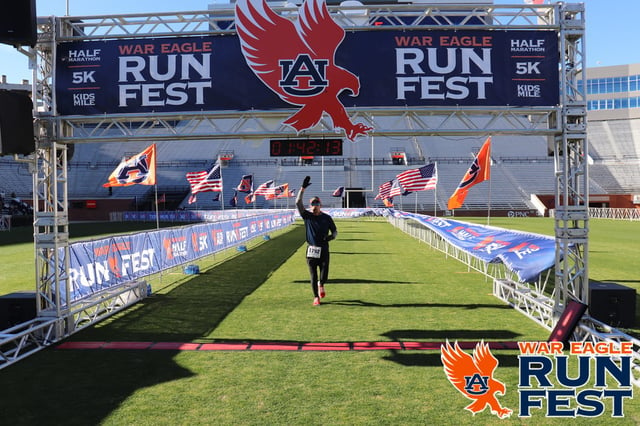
point(479, 171)
point(285, 193)
point(246, 184)
point(139, 169)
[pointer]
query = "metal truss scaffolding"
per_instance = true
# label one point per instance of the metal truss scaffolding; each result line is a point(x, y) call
point(565, 124)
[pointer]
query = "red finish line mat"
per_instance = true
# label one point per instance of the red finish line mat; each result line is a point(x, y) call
point(278, 346)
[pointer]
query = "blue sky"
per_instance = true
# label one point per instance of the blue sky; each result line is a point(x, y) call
point(612, 27)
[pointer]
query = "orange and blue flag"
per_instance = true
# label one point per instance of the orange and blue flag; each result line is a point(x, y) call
point(139, 169)
point(246, 184)
point(479, 171)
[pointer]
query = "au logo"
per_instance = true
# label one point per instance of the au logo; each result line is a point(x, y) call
point(304, 76)
point(473, 377)
point(297, 62)
point(476, 384)
point(474, 169)
point(135, 171)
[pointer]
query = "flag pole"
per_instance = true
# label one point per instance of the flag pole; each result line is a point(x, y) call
point(157, 214)
point(415, 209)
point(435, 194)
point(221, 185)
point(489, 206)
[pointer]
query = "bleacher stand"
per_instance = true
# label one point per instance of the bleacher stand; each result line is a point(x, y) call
point(521, 167)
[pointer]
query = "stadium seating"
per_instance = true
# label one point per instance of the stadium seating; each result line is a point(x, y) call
point(520, 167)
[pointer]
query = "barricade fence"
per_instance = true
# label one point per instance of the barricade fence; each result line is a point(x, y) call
point(609, 213)
point(534, 299)
point(100, 264)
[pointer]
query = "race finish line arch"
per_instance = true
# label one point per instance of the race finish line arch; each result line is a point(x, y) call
point(417, 70)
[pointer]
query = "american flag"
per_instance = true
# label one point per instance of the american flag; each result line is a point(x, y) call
point(279, 191)
point(397, 189)
point(383, 190)
point(338, 192)
point(265, 188)
point(206, 180)
point(420, 179)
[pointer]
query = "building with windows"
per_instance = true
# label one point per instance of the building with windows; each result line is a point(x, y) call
point(613, 92)
point(613, 115)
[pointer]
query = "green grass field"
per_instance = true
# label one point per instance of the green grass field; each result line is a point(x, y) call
point(384, 286)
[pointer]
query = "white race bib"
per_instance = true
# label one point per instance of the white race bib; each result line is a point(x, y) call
point(314, 252)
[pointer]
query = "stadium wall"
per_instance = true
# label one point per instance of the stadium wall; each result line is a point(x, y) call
point(613, 201)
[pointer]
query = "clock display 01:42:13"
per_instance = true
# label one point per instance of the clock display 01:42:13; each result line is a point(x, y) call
point(303, 147)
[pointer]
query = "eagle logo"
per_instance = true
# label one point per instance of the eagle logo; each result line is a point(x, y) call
point(473, 377)
point(296, 60)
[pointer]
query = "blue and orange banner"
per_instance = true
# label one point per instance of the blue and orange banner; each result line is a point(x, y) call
point(526, 254)
point(479, 171)
point(101, 264)
point(137, 170)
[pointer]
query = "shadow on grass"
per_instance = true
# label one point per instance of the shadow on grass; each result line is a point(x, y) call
point(338, 281)
point(362, 303)
point(440, 335)
point(195, 308)
point(432, 359)
point(83, 387)
point(386, 253)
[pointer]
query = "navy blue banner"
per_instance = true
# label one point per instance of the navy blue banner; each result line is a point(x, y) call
point(526, 254)
point(101, 264)
point(395, 69)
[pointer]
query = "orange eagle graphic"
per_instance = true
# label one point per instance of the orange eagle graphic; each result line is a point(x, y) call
point(296, 60)
point(473, 377)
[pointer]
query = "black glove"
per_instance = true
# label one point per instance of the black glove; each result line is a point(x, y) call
point(306, 182)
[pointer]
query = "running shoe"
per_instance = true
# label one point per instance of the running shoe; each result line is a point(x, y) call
point(321, 291)
point(316, 301)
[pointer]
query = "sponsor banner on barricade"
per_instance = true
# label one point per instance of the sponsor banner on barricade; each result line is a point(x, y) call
point(524, 253)
point(101, 264)
point(353, 213)
point(196, 215)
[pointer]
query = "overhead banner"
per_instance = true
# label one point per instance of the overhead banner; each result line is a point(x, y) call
point(101, 264)
point(526, 254)
point(395, 69)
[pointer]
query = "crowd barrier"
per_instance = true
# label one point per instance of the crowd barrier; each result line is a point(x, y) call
point(101, 264)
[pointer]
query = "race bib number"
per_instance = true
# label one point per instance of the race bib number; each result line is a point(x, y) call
point(314, 252)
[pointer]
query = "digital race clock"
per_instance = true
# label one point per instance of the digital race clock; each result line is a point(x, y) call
point(305, 147)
